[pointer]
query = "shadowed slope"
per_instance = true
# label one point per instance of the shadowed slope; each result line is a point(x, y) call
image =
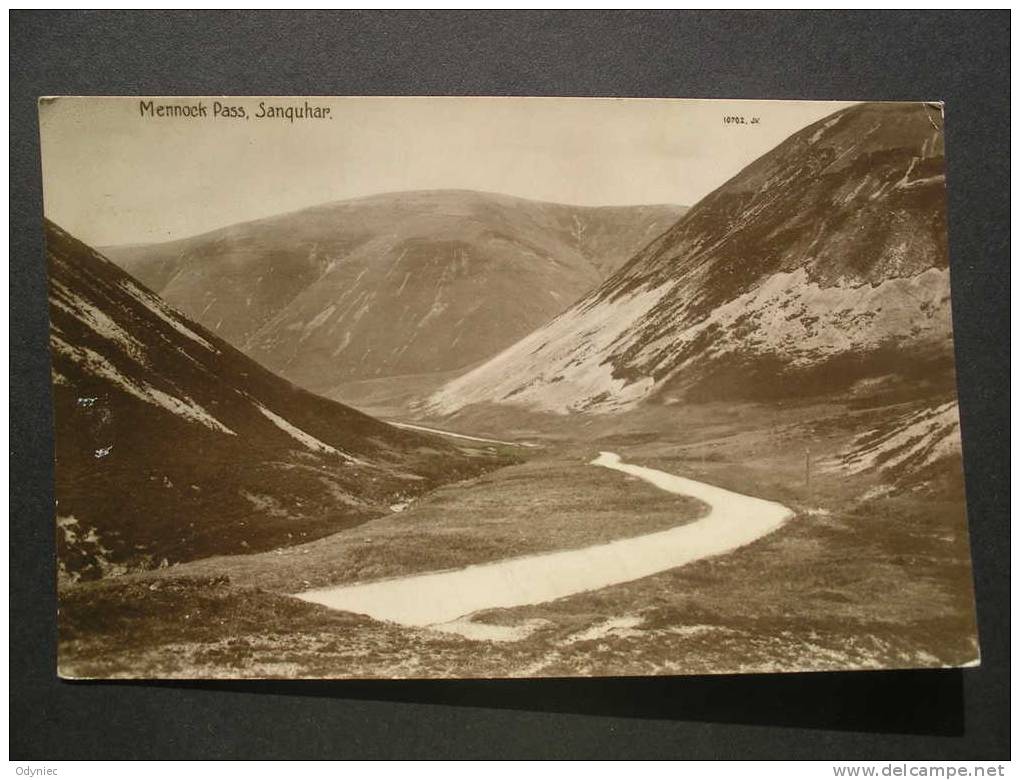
point(172, 445)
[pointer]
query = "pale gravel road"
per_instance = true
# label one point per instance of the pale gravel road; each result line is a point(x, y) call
point(733, 520)
point(411, 427)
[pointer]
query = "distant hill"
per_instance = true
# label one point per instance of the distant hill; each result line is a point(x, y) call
point(171, 445)
point(396, 284)
point(821, 268)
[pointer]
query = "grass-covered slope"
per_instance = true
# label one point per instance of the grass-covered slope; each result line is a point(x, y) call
point(822, 265)
point(393, 284)
point(171, 445)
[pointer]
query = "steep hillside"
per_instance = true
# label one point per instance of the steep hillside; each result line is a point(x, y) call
point(396, 284)
point(171, 445)
point(918, 449)
point(821, 266)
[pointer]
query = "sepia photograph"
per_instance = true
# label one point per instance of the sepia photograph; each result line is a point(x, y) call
point(487, 387)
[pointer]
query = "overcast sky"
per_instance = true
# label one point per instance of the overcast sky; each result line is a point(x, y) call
point(112, 176)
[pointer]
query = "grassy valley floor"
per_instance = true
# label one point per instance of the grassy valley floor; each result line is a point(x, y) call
point(860, 578)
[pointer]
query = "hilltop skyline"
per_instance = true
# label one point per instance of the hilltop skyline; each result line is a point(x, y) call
point(104, 182)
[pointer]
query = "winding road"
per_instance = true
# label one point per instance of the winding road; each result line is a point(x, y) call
point(733, 520)
point(410, 427)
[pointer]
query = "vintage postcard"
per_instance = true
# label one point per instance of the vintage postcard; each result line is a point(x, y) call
point(502, 387)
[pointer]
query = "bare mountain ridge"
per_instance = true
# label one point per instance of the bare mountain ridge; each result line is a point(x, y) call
point(394, 284)
point(171, 445)
point(821, 267)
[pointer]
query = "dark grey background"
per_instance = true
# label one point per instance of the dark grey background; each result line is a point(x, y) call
point(962, 58)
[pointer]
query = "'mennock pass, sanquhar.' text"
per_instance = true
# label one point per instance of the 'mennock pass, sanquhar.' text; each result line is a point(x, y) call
point(220, 110)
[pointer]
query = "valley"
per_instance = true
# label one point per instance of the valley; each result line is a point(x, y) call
point(840, 584)
point(450, 433)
